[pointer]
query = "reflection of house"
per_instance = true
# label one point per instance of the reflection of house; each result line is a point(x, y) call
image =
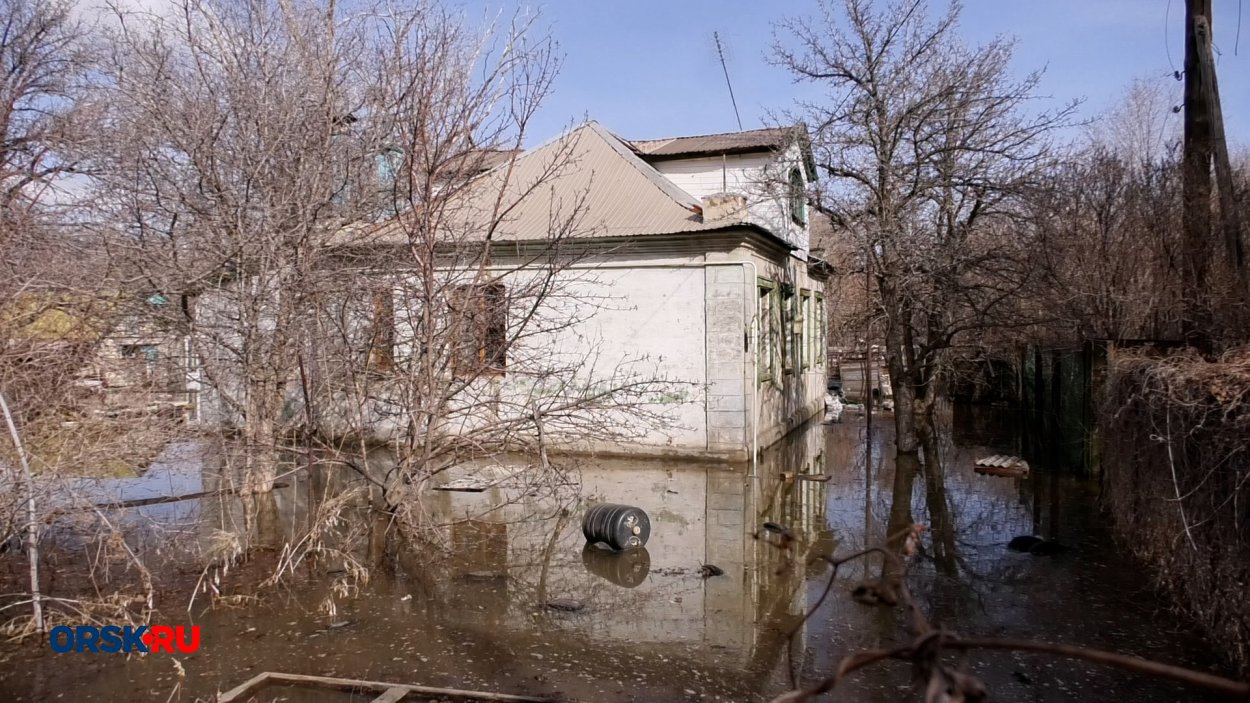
point(509, 562)
point(691, 255)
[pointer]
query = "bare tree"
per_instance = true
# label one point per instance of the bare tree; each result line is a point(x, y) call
point(225, 167)
point(331, 188)
point(1109, 253)
point(41, 58)
point(450, 332)
point(927, 145)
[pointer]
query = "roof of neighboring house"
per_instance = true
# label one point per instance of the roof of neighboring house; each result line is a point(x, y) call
point(715, 144)
point(585, 183)
point(471, 163)
point(52, 317)
point(750, 141)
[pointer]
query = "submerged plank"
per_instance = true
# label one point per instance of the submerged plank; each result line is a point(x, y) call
point(245, 687)
point(393, 695)
point(386, 689)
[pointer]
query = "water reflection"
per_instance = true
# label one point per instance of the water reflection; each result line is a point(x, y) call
point(503, 593)
point(625, 569)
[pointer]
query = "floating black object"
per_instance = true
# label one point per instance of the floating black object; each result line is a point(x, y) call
point(1035, 545)
point(710, 570)
point(618, 526)
point(626, 569)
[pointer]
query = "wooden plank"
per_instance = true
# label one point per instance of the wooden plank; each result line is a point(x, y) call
point(381, 687)
point(393, 694)
point(245, 687)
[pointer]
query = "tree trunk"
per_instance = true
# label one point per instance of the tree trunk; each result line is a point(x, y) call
point(941, 522)
point(32, 523)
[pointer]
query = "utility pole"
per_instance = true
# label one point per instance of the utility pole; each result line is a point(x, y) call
point(1230, 216)
point(1196, 190)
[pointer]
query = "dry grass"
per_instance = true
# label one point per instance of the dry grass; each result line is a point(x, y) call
point(1176, 463)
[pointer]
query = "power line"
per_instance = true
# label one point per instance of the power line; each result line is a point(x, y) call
point(1166, 36)
point(721, 53)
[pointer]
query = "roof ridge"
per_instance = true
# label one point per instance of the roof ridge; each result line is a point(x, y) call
point(680, 196)
point(712, 134)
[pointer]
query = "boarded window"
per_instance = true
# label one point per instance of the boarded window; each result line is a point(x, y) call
point(479, 328)
point(382, 331)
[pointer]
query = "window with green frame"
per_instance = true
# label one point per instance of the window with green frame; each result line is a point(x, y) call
point(806, 331)
point(821, 342)
point(787, 337)
point(765, 344)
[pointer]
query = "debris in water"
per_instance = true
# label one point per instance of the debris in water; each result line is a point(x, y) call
point(876, 592)
point(565, 605)
point(1035, 545)
point(710, 570)
point(1003, 465)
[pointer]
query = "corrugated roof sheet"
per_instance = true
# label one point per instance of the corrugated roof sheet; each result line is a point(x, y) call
point(728, 142)
point(585, 183)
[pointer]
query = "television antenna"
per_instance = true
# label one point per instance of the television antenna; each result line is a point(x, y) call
point(721, 53)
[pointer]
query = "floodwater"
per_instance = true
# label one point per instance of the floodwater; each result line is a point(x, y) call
point(506, 597)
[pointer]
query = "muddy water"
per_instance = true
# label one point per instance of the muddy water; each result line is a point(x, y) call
point(508, 599)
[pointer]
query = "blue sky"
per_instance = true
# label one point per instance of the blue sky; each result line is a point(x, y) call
point(648, 68)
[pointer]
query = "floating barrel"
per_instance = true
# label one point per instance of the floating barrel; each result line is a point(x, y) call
point(618, 526)
point(626, 569)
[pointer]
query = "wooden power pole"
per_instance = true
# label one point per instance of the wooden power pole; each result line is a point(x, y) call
point(1196, 189)
point(1206, 146)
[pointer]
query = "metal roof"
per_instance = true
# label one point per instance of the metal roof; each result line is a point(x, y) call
point(769, 139)
point(585, 183)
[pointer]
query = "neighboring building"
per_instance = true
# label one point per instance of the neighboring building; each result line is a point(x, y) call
point(144, 361)
point(702, 246)
point(121, 356)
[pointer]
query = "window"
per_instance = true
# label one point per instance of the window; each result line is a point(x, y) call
point(787, 335)
point(479, 328)
point(820, 341)
point(388, 168)
point(766, 312)
point(147, 354)
point(803, 330)
point(798, 197)
point(381, 342)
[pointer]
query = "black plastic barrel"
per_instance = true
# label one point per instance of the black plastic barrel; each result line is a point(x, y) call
point(626, 569)
point(618, 526)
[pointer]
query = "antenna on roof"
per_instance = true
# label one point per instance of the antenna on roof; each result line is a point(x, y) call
point(721, 53)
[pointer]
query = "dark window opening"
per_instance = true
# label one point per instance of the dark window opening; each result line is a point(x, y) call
point(479, 328)
point(382, 332)
point(798, 198)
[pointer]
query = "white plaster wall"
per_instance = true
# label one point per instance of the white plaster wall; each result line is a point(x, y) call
point(605, 328)
point(763, 179)
point(645, 323)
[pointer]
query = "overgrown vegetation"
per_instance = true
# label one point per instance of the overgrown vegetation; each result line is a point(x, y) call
point(1176, 458)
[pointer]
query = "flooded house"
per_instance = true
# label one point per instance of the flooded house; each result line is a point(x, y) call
point(681, 265)
point(122, 352)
